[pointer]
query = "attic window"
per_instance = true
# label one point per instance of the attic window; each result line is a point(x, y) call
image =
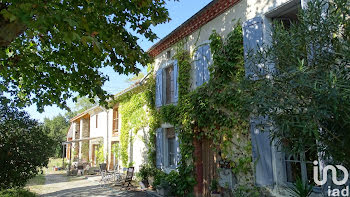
point(286, 13)
point(168, 54)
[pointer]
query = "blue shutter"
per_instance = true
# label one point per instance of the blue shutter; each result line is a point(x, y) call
point(177, 148)
point(159, 148)
point(176, 82)
point(252, 40)
point(262, 154)
point(159, 88)
point(207, 62)
point(199, 67)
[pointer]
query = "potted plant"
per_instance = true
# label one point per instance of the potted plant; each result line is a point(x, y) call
point(143, 174)
point(214, 188)
point(163, 188)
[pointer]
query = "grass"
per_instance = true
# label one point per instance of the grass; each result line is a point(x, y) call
point(17, 193)
point(38, 180)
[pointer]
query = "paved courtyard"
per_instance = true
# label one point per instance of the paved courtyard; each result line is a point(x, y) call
point(58, 184)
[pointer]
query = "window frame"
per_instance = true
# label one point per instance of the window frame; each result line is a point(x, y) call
point(115, 128)
point(166, 152)
point(96, 123)
point(164, 82)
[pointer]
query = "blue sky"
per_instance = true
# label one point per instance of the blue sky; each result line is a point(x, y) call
point(179, 12)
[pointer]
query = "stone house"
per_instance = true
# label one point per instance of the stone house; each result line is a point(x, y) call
point(273, 169)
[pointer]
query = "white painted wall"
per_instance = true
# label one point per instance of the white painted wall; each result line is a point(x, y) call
point(224, 24)
point(139, 152)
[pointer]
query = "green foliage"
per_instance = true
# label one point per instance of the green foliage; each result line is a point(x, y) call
point(134, 118)
point(25, 147)
point(247, 190)
point(308, 98)
point(100, 158)
point(116, 150)
point(158, 177)
point(214, 111)
point(58, 127)
point(169, 114)
point(52, 50)
point(137, 107)
point(214, 185)
point(17, 193)
point(145, 171)
point(300, 189)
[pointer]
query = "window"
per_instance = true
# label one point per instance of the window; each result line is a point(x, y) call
point(296, 167)
point(202, 63)
point(168, 54)
point(96, 120)
point(169, 84)
point(115, 120)
point(170, 133)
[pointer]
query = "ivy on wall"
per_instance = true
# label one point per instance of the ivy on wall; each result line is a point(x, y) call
point(137, 111)
point(213, 111)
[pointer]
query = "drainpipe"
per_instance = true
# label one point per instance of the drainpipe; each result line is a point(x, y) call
point(107, 153)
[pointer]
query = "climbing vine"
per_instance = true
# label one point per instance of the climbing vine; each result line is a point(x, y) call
point(214, 111)
point(137, 110)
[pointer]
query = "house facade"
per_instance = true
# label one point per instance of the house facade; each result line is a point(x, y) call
point(95, 137)
point(273, 169)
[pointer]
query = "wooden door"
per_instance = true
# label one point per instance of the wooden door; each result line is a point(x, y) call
point(210, 165)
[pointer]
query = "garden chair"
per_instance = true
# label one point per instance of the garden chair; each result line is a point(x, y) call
point(117, 175)
point(128, 177)
point(106, 176)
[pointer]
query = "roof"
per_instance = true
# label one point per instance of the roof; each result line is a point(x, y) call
point(136, 84)
point(70, 132)
point(202, 17)
point(83, 113)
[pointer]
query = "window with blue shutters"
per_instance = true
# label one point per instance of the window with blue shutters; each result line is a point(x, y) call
point(159, 148)
point(252, 41)
point(159, 88)
point(202, 63)
point(167, 148)
point(167, 87)
point(262, 152)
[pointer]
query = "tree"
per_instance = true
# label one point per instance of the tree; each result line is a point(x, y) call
point(58, 127)
point(51, 49)
point(308, 98)
point(25, 147)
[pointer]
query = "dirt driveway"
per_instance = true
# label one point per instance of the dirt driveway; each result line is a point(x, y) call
point(58, 184)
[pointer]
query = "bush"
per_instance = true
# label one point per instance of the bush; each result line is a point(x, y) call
point(145, 171)
point(25, 147)
point(16, 193)
point(158, 177)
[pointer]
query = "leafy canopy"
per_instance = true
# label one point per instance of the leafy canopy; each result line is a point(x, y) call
point(51, 49)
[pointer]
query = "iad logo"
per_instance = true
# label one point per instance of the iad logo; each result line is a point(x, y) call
point(332, 192)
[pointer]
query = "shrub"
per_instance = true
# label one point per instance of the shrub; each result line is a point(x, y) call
point(25, 147)
point(17, 193)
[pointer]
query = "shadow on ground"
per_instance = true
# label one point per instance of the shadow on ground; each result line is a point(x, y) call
point(95, 190)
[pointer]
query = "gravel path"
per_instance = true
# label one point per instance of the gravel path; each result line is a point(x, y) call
point(61, 185)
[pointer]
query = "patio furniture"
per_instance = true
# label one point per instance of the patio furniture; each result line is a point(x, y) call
point(128, 177)
point(117, 175)
point(106, 176)
point(80, 170)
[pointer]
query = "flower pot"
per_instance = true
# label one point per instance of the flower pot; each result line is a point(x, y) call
point(162, 192)
point(150, 180)
point(215, 195)
point(145, 182)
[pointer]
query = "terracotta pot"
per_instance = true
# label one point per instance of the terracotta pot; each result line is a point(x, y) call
point(215, 195)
